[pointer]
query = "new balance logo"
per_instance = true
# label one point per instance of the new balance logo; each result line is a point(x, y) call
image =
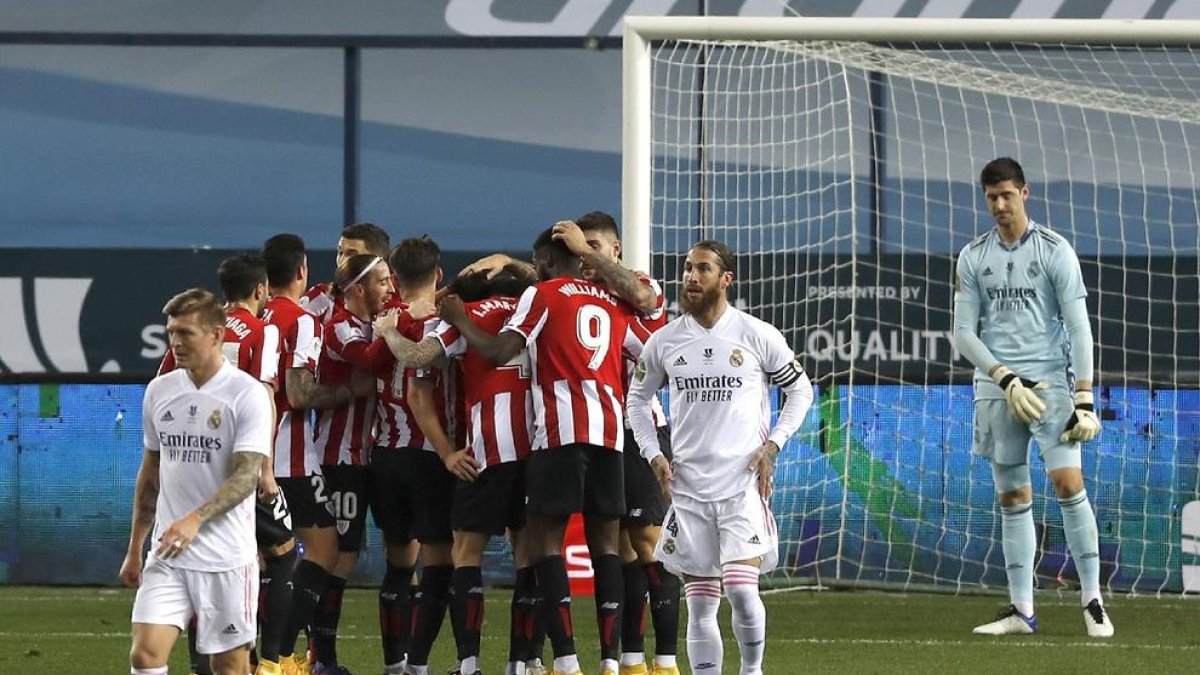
point(987, 272)
point(681, 361)
point(230, 630)
point(754, 539)
point(167, 417)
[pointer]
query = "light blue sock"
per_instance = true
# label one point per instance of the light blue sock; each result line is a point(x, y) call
point(1079, 525)
point(1020, 544)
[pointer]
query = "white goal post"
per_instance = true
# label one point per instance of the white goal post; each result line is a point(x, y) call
point(839, 158)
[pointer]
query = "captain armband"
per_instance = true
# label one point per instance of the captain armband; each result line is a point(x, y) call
point(787, 375)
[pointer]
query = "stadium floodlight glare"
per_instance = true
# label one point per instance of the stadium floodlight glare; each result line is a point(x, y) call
point(840, 158)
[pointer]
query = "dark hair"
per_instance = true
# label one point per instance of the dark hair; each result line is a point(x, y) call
point(377, 240)
point(238, 276)
point(283, 255)
point(470, 287)
point(556, 248)
point(724, 254)
point(598, 221)
point(200, 301)
point(1001, 169)
point(415, 261)
point(509, 282)
point(349, 271)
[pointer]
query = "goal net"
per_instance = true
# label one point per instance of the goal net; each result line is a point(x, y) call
point(840, 160)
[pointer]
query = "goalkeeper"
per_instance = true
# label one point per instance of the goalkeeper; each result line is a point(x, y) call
point(1020, 316)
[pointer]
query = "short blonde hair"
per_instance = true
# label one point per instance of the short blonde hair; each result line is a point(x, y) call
point(200, 302)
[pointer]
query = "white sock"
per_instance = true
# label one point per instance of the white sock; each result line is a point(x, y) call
point(469, 665)
point(664, 661)
point(566, 664)
point(608, 664)
point(1083, 539)
point(749, 615)
point(704, 645)
point(632, 658)
point(515, 668)
point(1018, 539)
point(161, 670)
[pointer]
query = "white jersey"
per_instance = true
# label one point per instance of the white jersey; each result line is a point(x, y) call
point(720, 402)
point(196, 431)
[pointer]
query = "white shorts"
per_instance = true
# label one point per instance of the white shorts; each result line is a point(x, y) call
point(225, 603)
point(699, 537)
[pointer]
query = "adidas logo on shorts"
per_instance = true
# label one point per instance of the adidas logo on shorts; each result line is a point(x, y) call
point(680, 361)
point(230, 630)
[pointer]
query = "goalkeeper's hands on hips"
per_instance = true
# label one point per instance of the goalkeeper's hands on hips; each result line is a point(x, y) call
point(1084, 425)
point(1021, 393)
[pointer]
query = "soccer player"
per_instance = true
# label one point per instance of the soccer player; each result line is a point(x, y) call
point(297, 461)
point(417, 414)
point(490, 494)
point(1020, 316)
point(356, 239)
point(576, 332)
point(207, 428)
point(719, 363)
point(344, 433)
point(594, 237)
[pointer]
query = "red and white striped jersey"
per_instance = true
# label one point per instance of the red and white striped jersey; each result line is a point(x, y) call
point(250, 344)
point(644, 326)
point(576, 333)
point(499, 399)
point(395, 426)
point(344, 434)
point(319, 302)
point(299, 346)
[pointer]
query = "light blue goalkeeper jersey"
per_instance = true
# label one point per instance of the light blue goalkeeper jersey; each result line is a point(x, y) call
point(1019, 290)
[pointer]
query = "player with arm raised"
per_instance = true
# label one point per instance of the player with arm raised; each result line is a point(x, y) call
point(594, 237)
point(719, 364)
point(1020, 316)
point(207, 427)
point(576, 332)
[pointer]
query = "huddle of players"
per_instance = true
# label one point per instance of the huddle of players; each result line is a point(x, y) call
point(381, 402)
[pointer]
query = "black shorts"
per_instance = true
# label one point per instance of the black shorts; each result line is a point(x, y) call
point(493, 502)
point(272, 521)
point(644, 503)
point(411, 495)
point(575, 478)
point(307, 497)
point(348, 498)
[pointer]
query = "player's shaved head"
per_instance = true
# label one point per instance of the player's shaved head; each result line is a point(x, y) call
point(552, 258)
point(200, 302)
point(1001, 169)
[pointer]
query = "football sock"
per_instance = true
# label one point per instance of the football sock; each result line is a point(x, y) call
point(749, 615)
point(429, 611)
point(394, 613)
point(325, 622)
point(633, 618)
point(704, 647)
point(1079, 525)
point(275, 601)
point(555, 592)
point(466, 612)
point(1019, 543)
point(664, 611)
point(523, 612)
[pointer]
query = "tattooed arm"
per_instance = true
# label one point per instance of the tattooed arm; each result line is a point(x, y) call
point(303, 392)
point(145, 503)
point(242, 480)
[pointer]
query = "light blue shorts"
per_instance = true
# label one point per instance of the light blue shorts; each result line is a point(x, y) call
point(1005, 440)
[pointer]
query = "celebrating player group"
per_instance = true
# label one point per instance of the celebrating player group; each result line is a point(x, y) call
point(514, 396)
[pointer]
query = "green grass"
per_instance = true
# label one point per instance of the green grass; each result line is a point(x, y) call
point(86, 630)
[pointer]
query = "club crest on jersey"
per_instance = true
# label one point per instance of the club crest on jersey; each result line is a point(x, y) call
point(1033, 270)
point(735, 358)
point(343, 526)
point(669, 546)
point(214, 420)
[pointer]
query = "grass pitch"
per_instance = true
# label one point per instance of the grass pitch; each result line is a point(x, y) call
point(86, 630)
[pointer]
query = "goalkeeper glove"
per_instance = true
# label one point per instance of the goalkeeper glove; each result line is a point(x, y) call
point(1084, 425)
point(1021, 393)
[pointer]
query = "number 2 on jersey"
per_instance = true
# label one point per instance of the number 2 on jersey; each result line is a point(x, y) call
point(593, 327)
